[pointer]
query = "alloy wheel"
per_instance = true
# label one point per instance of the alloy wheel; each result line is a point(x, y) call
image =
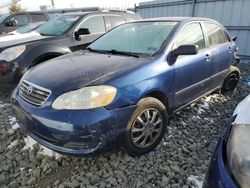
point(147, 128)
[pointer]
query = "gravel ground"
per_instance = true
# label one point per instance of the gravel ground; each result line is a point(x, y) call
point(179, 161)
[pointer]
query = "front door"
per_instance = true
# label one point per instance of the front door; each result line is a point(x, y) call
point(20, 19)
point(192, 72)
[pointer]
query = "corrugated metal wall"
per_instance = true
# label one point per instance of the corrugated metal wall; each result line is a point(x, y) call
point(233, 14)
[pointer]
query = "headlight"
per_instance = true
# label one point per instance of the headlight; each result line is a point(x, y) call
point(86, 98)
point(12, 53)
point(238, 153)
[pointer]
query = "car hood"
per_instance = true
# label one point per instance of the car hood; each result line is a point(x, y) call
point(79, 69)
point(14, 40)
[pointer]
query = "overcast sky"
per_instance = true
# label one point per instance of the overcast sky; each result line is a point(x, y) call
point(35, 4)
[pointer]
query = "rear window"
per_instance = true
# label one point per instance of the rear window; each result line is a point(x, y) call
point(216, 35)
point(38, 17)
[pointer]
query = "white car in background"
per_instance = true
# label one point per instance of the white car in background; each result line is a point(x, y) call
point(22, 32)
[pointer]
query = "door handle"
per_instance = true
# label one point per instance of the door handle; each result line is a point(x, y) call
point(229, 49)
point(207, 57)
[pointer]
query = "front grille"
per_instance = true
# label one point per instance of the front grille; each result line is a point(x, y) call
point(33, 93)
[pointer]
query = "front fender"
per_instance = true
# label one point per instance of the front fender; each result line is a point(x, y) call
point(35, 54)
point(155, 77)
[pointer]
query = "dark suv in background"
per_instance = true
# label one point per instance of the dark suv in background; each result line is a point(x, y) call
point(59, 36)
point(10, 22)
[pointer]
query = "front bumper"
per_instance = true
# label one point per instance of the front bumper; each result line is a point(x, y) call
point(218, 174)
point(75, 132)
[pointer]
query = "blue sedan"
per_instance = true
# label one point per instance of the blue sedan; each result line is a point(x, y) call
point(229, 166)
point(123, 88)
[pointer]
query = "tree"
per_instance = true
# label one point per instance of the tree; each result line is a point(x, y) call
point(15, 7)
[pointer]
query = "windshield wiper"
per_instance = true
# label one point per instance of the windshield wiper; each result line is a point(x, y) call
point(124, 53)
point(98, 51)
point(114, 52)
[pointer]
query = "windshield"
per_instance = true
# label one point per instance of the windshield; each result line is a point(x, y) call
point(140, 38)
point(58, 25)
point(3, 17)
point(27, 28)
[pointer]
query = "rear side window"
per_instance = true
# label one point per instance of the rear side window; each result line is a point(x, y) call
point(95, 24)
point(191, 34)
point(216, 35)
point(21, 19)
point(38, 17)
point(115, 21)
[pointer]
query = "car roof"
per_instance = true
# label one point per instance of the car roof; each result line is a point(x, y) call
point(121, 13)
point(177, 19)
point(75, 14)
point(97, 12)
point(27, 12)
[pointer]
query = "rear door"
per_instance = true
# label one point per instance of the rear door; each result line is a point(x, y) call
point(221, 52)
point(192, 72)
point(96, 26)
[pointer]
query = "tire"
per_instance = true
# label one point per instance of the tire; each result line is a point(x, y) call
point(149, 110)
point(231, 81)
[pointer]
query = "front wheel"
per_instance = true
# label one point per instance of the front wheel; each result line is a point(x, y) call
point(146, 127)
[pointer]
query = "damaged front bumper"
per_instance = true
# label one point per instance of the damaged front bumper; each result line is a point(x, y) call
point(74, 132)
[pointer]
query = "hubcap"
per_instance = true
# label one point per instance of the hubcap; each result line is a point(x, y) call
point(146, 128)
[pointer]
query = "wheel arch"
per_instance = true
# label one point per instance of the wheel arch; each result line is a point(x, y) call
point(158, 94)
point(233, 69)
point(45, 57)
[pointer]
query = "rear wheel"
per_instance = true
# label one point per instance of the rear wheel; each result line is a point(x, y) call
point(146, 127)
point(231, 81)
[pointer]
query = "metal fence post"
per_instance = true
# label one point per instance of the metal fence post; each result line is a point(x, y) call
point(193, 8)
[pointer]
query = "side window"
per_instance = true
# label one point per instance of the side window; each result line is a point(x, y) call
point(115, 21)
point(216, 34)
point(95, 24)
point(191, 34)
point(38, 17)
point(21, 19)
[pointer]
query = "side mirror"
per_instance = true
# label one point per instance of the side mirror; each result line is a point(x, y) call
point(234, 38)
point(189, 49)
point(81, 31)
point(11, 23)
